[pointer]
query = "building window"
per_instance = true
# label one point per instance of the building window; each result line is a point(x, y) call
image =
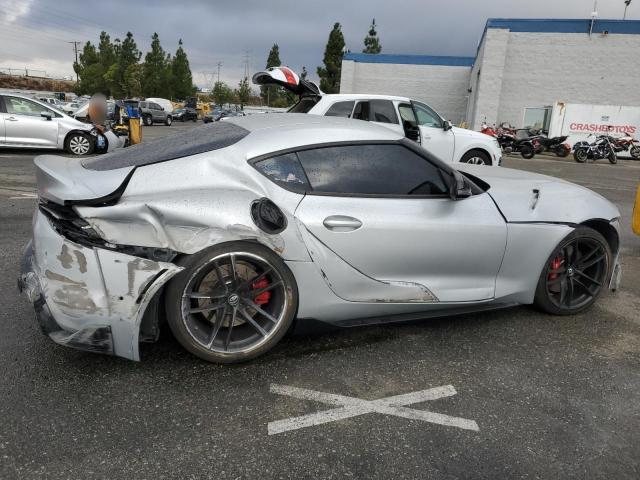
point(537, 118)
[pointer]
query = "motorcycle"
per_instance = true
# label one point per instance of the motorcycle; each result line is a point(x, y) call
point(602, 147)
point(557, 145)
point(627, 144)
point(510, 140)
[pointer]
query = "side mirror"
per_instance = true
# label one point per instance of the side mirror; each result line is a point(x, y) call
point(459, 188)
point(446, 126)
point(46, 115)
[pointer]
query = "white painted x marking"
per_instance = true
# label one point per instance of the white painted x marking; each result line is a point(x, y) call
point(348, 407)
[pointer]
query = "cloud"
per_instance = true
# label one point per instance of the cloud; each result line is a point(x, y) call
point(14, 9)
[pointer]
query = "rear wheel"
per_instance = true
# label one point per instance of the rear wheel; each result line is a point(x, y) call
point(635, 151)
point(580, 155)
point(612, 157)
point(79, 144)
point(575, 274)
point(232, 302)
point(476, 157)
point(562, 151)
point(527, 151)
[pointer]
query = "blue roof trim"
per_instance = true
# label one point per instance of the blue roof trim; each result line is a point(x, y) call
point(561, 25)
point(410, 59)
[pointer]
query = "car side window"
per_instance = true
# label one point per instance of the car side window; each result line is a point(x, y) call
point(155, 106)
point(340, 109)
point(22, 106)
point(382, 111)
point(376, 169)
point(426, 116)
point(143, 104)
point(286, 171)
point(361, 112)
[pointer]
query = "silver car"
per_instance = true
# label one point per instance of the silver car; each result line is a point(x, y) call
point(29, 123)
point(235, 229)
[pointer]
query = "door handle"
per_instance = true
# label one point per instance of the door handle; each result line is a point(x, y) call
point(11, 119)
point(341, 223)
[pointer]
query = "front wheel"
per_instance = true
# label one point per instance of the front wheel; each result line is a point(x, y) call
point(168, 121)
point(232, 302)
point(148, 121)
point(562, 151)
point(580, 155)
point(476, 157)
point(635, 151)
point(575, 274)
point(79, 144)
point(612, 157)
point(527, 152)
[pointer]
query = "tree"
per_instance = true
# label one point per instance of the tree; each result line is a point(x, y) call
point(221, 93)
point(371, 41)
point(182, 81)
point(270, 93)
point(155, 71)
point(88, 69)
point(330, 73)
point(244, 92)
point(127, 54)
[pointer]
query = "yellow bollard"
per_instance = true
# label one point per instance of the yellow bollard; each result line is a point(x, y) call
point(635, 222)
point(135, 131)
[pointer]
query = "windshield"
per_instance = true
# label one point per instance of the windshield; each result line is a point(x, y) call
point(304, 105)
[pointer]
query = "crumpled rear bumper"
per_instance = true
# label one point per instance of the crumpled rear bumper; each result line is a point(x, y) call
point(89, 298)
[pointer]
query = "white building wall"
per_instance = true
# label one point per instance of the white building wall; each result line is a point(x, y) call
point(542, 68)
point(444, 88)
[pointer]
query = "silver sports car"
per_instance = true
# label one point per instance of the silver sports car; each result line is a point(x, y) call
point(234, 230)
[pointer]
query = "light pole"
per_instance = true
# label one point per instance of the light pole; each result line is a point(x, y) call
point(626, 5)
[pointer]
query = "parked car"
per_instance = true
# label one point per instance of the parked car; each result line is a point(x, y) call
point(213, 115)
point(416, 120)
point(29, 123)
point(152, 113)
point(70, 108)
point(234, 229)
point(185, 114)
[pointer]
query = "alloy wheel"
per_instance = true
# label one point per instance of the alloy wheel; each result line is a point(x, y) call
point(79, 145)
point(476, 161)
point(577, 273)
point(234, 303)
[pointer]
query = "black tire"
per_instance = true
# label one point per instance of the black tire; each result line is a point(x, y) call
point(580, 155)
point(168, 121)
point(612, 157)
point(78, 143)
point(562, 152)
point(194, 329)
point(182, 119)
point(195, 118)
point(581, 240)
point(476, 157)
point(527, 152)
point(147, 120)
point(635, 152)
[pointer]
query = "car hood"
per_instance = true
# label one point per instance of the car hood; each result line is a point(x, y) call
point(530, 197)
point(463, 132)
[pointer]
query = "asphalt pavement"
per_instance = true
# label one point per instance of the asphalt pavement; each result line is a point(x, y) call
point(549, 397)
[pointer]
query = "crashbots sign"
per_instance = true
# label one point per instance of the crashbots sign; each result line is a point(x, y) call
point(577, 127)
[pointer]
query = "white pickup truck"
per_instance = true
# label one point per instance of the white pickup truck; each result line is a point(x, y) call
point(415, 119)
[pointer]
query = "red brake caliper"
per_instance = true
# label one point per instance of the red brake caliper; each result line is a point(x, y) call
point(555, 264)
point(264, 297)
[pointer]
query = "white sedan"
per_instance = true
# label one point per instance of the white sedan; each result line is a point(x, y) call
point(414, 119)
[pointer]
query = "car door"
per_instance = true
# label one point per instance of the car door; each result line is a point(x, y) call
point(157, 112)
point(379, 222)
point(378, 111)
point(434, 136)
point(25, 126)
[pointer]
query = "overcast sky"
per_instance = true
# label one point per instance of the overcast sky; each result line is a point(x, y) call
point(34, 33)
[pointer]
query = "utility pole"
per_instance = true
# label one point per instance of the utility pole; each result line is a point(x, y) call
point(219, 64)
point(626, 5)
point(75, 49)
point(594, 15)
point(245, 61)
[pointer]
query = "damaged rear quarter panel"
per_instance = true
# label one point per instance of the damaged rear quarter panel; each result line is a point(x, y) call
point(192, 203)
point(86, 288)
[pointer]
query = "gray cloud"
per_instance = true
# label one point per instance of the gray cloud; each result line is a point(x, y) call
point(33, 33)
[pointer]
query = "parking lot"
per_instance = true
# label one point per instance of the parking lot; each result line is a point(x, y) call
point(511, 393)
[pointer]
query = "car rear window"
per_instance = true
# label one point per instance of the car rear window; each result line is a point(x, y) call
point(205, 138)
